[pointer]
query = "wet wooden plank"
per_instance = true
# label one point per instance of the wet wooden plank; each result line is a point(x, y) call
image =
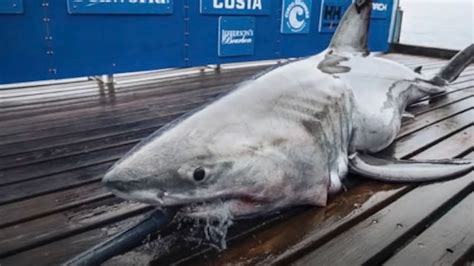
point(19, 90)
point(444, 242)
point(160, 109)
point(38, 170)
point(206, 79)
point(422, 51)
point(126, 79)
point(60, 251)
point(374, 239)
point(465, 79)
point(115, 99)
point(49, 254)
point(427, 136)
point(428, 104)
point(41, 155)
point(52, 183)
point(433, 68)
point(99, 110)
point(78, 89)
point(38, 232)
point(436, 115)
point(424, 61)
point(105, 118)
point(97, 105)
point(10, 90)
point(411, 59)
point(452, 145)
point(50, 203)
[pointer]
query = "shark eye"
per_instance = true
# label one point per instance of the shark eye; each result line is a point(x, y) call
point(199, 174)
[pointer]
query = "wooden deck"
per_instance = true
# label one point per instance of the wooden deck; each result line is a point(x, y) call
point(56, 141)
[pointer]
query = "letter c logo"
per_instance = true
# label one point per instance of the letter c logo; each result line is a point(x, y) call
point(296, 18)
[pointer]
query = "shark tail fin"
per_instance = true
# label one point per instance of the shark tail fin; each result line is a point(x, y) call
point(455, 66)
point(351, 34)
point(393, 170)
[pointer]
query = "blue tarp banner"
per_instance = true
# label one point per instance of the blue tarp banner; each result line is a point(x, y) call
point(72, 38)
point(11, 6)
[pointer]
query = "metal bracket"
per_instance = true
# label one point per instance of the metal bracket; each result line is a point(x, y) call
point(216, 68)
point(104, 79)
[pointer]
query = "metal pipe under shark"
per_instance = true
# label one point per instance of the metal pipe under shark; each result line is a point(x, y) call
point(289, 136)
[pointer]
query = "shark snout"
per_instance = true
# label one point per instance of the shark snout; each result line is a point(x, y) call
point(115, 180)
point(121, 182)
point(123, 185)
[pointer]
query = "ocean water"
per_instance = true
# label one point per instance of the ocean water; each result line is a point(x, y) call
point(438, 23)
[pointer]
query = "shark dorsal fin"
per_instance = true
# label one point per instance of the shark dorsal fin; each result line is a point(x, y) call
point(351, 34)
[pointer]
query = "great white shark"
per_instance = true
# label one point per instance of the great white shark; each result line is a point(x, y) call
point(289, 136)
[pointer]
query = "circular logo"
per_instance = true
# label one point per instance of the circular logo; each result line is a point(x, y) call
point(296, 14)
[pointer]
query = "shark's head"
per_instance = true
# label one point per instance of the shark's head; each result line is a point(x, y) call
point(219, 167)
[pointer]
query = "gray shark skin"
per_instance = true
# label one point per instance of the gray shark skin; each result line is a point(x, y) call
point(289, 136)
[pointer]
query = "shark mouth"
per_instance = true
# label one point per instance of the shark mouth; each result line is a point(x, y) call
point(235, 207)
point(218, 214)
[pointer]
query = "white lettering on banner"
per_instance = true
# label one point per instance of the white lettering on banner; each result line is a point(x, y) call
point(237, 36)
point(217, 4)
point(237, 4)
point(124, 1)
point(379, 7)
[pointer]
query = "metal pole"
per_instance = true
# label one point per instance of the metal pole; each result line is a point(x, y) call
point(108, 79)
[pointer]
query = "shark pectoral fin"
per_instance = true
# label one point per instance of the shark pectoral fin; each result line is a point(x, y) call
point(393, 170)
